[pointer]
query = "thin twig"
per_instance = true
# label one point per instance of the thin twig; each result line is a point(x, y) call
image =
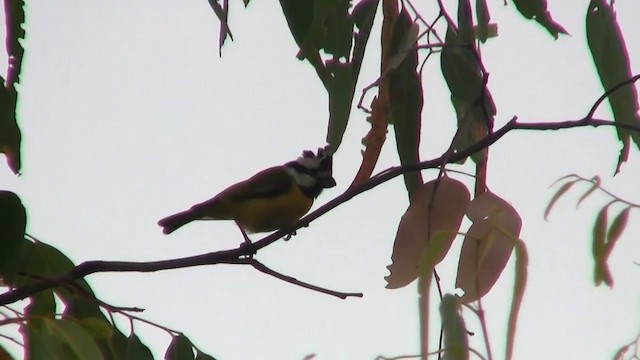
point(12, 340)
point(291, 280)
point(607, 93)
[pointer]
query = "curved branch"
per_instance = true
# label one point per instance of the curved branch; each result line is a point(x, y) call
point(240, 254)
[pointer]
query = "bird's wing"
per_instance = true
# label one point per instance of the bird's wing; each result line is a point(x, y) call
point(268, 183)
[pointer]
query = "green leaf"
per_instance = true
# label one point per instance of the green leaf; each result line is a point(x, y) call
point(537, 10)
point(98, 328)
point(328, 26)
point(611, 58)
point(10, 136)
point(341, 88)
point(363, 14)
point(222, 12)
point(342, 85)
point(135, 349)
point(299, 15)
point(38, 343)
point(563, 189)
point(456, 342)
point(600, 232)
point(470, 97)
point(405, 98)
point(338, 26)
point(40, 260)
point(180, 349)
point(519, 285)
point(14, 20)
point(599, 246)
point(13, 222)
point(483, 16)
point(41, 305)
point(75, 341)
point(82, 308)
point(602, 249)
point(203, 356)
point(617, 227)
point(465, 22)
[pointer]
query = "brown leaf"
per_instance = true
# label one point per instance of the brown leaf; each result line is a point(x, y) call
point(444, 211)
point(487, 246)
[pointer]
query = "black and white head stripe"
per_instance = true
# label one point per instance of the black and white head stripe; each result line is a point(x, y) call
point(312, 171)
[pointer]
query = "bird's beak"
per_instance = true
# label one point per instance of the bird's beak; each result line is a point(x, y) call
point(328, 182)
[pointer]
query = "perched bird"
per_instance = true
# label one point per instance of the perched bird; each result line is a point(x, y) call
point(272, 199)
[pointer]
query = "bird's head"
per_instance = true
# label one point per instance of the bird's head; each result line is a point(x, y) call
point(313, 172)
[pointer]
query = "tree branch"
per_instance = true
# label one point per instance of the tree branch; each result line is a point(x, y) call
point(239, 255)
point(291, 280)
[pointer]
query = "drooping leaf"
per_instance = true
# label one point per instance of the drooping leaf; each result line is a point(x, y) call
point(98, 328)
point(202, 356)
point(602, 247)
point(405, 98)
point(520, 283)
point(222, 12)
point(601, 271)
point(40, 260)
point(456, 342)
point(135, 349)
point(180, 348)
point(364, 14)
point(483, 16)
point(437, 208)
point(328, 26)
point(487, 246)
point(10, 135)
point(13, 222)
point(70, 340)
point(465, 22)
point(611, 58)
point(563, 189)
point(86, 311)
point(299, 15)
point(41, 305)
point(596, 184)
point(537, 10)
point(617, 227)
point(435, 251)
point(470, 96)
point(338, 25)
point(39, 344)
point(14, 21)
point(342, 87)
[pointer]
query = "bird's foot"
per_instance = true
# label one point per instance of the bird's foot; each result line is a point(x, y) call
point(289, 236)
point(248, 249)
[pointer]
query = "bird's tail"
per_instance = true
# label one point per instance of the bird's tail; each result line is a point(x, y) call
point(173, 222)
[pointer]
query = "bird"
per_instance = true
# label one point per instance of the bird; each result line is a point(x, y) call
point(274, 198)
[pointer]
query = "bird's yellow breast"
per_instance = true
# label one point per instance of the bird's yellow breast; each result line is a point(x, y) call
point(272, 213)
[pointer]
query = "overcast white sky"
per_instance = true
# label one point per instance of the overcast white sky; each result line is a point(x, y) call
point(129, 115)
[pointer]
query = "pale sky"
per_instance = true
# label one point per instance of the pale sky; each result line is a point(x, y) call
point(128, 115)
